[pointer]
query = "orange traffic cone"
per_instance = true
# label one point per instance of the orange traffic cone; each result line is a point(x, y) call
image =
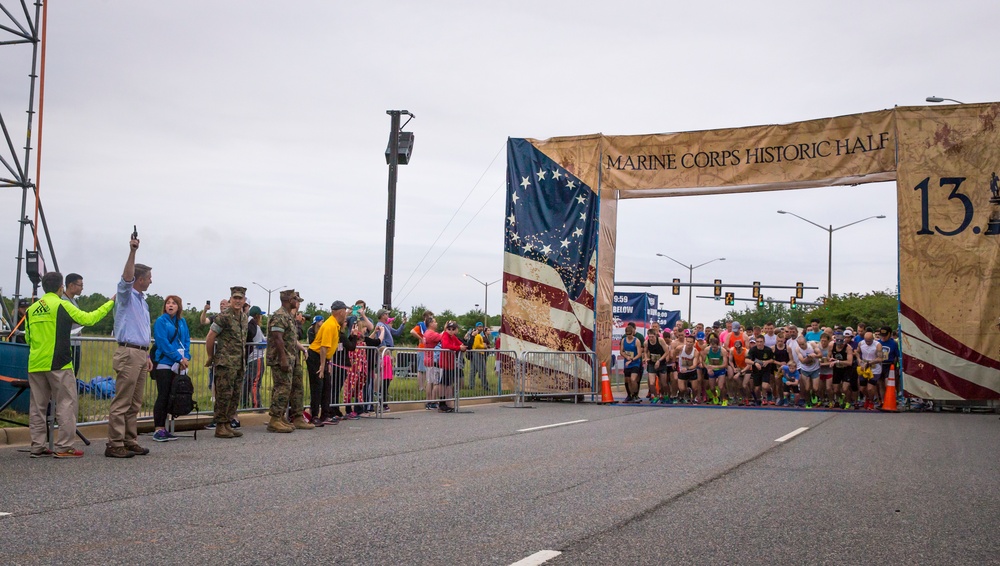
point(606, 395)
point(889, 403)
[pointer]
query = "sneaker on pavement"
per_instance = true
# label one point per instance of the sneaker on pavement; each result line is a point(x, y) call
point(117, 452)
point(43, 453)
point(210, 425)
point(161, 435)
point(71, 453)
point(136, 449)
point(172, 436)
point(235, 423)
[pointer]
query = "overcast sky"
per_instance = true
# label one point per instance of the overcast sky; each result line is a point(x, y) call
point(245, 138)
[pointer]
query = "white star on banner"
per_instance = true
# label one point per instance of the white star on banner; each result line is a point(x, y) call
point(580, 199)
point(515, 237)
point(526, 247)
point(525, 182)
point(511, 218)
point(541, 174)
point(583, 216)
point(571, 184)
point(515, 197)
point(556, 175)
point(578, 232)
point(546, 249)
point(565, 243)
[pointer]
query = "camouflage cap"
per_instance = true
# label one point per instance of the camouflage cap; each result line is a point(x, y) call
point(298, 297)
point(288, 294)
point(238, 292)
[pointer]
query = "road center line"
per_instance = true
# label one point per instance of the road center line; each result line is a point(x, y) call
point(792, 434)
point(537, 558)
point(550, 426)
point(5, 514)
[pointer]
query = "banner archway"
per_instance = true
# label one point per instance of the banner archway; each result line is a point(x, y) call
point(561, 219)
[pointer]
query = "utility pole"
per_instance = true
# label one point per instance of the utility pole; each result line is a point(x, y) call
point(394, 157)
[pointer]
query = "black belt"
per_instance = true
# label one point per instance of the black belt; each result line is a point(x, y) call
point(133, 346)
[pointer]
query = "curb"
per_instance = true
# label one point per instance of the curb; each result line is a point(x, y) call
point(20, 436)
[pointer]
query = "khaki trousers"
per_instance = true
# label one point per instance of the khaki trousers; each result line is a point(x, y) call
point(60, 387)
point(130, 366)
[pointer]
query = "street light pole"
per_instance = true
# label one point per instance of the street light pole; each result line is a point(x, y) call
point(486, 298)
point(939, 99)
point(829, 258)
point(691, 269)
point(269, 291)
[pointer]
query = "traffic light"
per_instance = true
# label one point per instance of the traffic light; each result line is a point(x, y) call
point(717, 290)
point(760, 301)
point(798, 290)
point(756, 289)
point(792, 302)
point(730, 300)
point(676, 290)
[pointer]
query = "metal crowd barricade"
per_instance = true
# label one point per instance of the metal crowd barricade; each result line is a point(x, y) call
point(478, 374)
point(557, 374)
point(96, 355)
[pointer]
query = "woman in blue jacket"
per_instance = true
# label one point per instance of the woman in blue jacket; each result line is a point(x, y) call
point(173, 352)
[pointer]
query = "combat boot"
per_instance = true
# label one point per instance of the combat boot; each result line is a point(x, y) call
point(222, 430)
point(233, 431)
point(301, 423)
point(277, 424)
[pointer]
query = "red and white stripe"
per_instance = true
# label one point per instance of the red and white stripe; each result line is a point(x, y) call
point(938, 366)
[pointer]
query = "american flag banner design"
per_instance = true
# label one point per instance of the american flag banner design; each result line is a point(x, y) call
point(550, 260)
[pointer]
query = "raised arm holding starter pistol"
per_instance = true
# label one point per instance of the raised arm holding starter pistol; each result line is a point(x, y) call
point(131, 361)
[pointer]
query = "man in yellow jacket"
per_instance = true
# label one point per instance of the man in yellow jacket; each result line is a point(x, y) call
point(50, 365)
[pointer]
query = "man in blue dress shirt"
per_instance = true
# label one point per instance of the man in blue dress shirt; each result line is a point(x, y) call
point(131, 360)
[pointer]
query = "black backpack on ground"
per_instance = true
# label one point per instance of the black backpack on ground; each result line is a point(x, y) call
point(181, 401)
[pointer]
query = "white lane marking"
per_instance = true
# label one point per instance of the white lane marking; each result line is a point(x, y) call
point(550, 426)
point(537, 558)
point(792, 434)
point(5, 514)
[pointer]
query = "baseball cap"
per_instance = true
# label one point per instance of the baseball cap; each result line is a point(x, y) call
point(478, 324)
point(255, 310)
point(848, 332)
point(700, 336)
point(451, 325)
point(687, 332)
point(753, 340)
point(380, 313)
point(736, 326)
point(317, 318)
point(338, 305)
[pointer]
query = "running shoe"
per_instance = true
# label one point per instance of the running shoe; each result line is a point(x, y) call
point(815, 400)
point(43, 453)
point(161, 435)
point(725, 402)
point(235, 423)
point(352, 416)
point(71, 453)
point(210, 425)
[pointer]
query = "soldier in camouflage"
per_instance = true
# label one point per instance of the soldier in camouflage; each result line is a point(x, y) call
point(225, 344)
point(283, 357)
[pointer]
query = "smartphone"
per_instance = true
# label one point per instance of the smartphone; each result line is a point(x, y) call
point(208, 304)
point(135, 233)
point(354, 311)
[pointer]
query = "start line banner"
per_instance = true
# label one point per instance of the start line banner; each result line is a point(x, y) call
point(947, 159)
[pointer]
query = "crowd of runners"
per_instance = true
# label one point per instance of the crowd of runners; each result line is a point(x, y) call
point(834, 367)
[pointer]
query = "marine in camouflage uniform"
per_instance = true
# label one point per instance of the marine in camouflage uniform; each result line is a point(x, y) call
point(283, 333)
point(228, 335)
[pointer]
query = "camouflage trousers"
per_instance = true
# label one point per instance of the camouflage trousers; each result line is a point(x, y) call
point(228, 385)
point(287, 391)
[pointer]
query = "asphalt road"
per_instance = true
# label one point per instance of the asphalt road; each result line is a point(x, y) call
point(639, 485)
